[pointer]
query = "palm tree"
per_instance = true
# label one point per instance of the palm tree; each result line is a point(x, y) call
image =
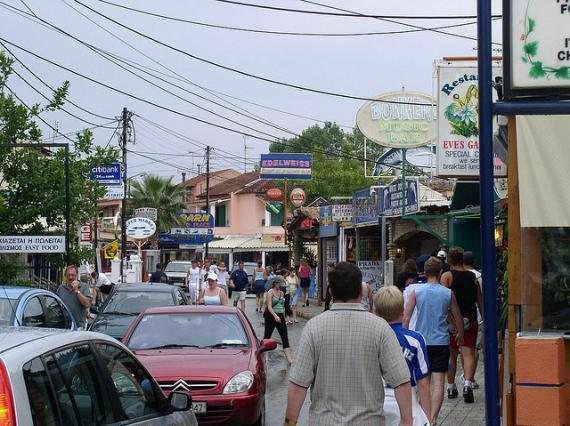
point(166, 197)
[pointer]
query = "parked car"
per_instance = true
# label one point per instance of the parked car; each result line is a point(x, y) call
point(33, 307)
point(248, 267)
point(51, 377)
point(176, 272)
point(212, 353)
point(126, 301)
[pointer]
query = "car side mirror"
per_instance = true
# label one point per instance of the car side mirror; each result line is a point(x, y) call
point(267, 345)
point(180, 401)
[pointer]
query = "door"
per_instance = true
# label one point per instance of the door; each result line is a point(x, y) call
point(56, 315)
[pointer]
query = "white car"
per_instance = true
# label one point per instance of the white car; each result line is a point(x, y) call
point(54, 377)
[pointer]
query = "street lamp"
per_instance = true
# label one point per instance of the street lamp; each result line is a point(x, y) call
point(500, 232)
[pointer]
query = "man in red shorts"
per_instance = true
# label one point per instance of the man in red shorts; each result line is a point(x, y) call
point(468, 294)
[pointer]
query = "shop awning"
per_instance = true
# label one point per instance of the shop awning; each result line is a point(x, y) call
point(227, 245)
point(258, 244)
point(237, 244)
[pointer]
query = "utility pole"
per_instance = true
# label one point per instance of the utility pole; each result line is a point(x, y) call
point(245, 148)
point(208, 149)
point(124, 140)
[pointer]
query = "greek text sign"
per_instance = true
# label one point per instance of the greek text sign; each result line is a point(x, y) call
point(458, 124)
point(286, 166)
point(399, 119)
point(537, 48)
point(392, 200)
point(32, 244)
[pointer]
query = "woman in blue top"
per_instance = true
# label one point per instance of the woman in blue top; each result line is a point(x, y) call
point(259, 286)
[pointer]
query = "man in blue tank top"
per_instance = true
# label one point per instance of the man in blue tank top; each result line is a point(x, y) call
point(433, 302)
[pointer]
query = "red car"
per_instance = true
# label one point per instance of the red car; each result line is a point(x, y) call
point(211, 352)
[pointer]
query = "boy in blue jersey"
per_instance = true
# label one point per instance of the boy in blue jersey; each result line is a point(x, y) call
point(389, 304)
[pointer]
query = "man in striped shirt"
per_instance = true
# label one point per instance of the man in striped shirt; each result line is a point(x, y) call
point(389, 304)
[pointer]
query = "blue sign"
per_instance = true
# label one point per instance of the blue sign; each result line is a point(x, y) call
point(109, 175)
point(327, 228)
point(391, 201)
point(286, 166)
point(198, 228)
point(364, 207)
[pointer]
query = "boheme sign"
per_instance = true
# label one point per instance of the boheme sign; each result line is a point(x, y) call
point(458, 124)
point(32, 244)
point(399, 119)
point(537, 48)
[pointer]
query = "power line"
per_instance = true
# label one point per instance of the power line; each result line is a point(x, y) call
point(397, 22)
point(241, 72)
point(346, 15)
point(286, 33)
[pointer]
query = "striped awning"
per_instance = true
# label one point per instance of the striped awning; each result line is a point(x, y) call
point(237, 244)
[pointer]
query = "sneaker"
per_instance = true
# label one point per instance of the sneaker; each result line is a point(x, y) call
point(474, 384)
point(468, 395)
point(452, 392)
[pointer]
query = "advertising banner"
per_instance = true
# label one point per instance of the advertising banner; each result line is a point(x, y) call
point(342, 212)
point(372, 273)
point(391, 202)
point(32, 244)
point(85, 235)
point(364, 208)
point(286, 166)
point(110, 175)
point(458, 123)
point(327, 228)
point(199, 228)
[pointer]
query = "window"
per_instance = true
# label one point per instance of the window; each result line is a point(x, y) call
point(7, 310)
point(220, 215)
point(277, 219)
point(137, 393)
point(55, 315)
point(42, 402)
point(81, 393)
point(134, 302)
point(34, 313)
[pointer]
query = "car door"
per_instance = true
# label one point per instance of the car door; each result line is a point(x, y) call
point(139, 397)
point(33, 314)
point(56, 315)
point(180, 297)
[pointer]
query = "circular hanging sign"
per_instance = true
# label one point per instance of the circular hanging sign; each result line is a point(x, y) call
point(399, 119)
point(298, 197)
point(140, 228)
point(274, 194)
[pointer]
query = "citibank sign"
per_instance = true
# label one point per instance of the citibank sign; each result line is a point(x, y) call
point(399, 119)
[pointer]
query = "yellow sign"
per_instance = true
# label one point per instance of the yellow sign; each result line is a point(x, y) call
point(111, 249)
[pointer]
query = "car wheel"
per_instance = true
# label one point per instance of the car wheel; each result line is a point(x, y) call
point(261, 420)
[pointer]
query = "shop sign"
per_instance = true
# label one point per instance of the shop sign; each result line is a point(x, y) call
point(399, 119)
point(274, 194)
point(147, 212)
point(392, 201)
point(327, 228)
point(537, 48)
point(342, 212)
point(364, 208)
point(111, 250)
point(298, 197)
point(458, 124)
point(372, 273)
point(286, 166)
point(85, 235)
point(109, 175)
point(32, 244)
point(114, 192)
point(269, 239)
point(139, 228)
point(198, 228)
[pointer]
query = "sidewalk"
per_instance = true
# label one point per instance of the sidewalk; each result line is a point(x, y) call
point(454, 412)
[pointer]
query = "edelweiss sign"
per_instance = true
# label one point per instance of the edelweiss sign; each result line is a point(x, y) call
point(458, 124)
point(399, 119)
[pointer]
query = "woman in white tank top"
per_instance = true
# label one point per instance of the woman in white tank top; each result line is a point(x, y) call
point(213, 295)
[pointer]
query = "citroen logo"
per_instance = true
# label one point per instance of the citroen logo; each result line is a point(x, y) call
point(181, 385)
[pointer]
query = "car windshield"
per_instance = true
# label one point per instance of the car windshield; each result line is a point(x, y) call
point(177, 267)
point(196, 329)
point(7, 308)
point(134, 302)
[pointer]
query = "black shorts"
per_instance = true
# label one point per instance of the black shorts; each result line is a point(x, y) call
point(305, 282)
point(438, 358)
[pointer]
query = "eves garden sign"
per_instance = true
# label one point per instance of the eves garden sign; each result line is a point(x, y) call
point(537, 35)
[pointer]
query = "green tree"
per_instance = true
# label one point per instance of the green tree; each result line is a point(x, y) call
point(338, 159)
point(32, 180)
point(166, 197)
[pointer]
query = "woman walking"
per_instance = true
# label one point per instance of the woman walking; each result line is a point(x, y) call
point(212, 294)
point(275, 315)
point(305, 276)
point(259, 286)
point(292, 281)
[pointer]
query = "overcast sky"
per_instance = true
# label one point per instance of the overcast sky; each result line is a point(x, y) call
point(362, 66)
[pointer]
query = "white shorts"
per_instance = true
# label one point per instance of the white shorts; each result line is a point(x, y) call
point(392, 412)
point(238, 295)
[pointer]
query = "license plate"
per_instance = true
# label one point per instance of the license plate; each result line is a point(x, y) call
point(199, 407)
